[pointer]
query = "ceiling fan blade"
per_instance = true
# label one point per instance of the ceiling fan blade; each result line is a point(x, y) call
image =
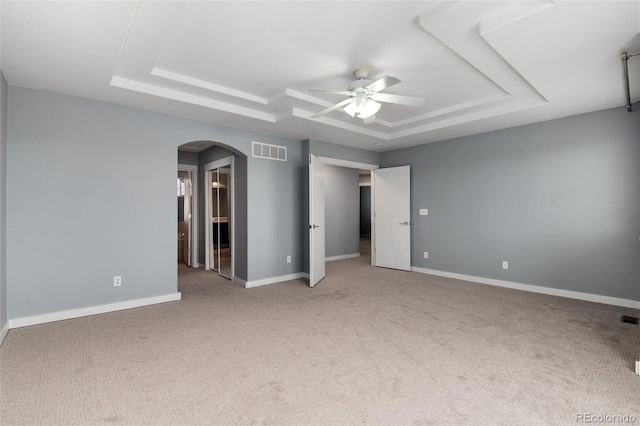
point(334, 107)
point(397, 99)
point(382, 84)
point(336, 92)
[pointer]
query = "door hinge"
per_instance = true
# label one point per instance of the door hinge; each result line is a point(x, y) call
point(309, 158)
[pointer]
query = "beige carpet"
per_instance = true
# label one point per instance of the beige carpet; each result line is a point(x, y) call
point(366, 346)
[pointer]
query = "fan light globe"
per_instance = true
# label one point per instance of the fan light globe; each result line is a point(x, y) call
point(351, 109)
point(369, 109)
point(362, 109)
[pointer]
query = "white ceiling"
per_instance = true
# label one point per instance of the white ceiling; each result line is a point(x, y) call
point(480, 65)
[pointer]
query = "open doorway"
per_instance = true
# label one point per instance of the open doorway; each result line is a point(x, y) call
point(219, 172)
point(390, 219)
point(337, 207)
point(365, 214)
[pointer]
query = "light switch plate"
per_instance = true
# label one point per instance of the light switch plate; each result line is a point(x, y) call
point(424, 212)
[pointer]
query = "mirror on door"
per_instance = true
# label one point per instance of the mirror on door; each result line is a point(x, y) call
point(220, 241)
point(184, 217)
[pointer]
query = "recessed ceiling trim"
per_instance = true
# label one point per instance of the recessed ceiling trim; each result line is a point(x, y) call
point(284, 115)
point(508, 17)
point(306, 97)
point(126, 39)
point(464, 39)
point(453, 109)
point(177, 95)
point(191, 81)
point(512, 15)
point(300, 113)
point(470, 39)
point(452, 121)
point(278, 96)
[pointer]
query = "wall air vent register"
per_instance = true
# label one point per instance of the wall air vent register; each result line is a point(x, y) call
point(269, 152)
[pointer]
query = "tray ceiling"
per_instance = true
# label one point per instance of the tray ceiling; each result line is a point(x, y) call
point(480, 65)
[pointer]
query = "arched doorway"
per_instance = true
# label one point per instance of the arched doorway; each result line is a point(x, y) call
point(219, 212)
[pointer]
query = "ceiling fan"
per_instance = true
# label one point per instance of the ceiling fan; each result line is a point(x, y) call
point(365, 97)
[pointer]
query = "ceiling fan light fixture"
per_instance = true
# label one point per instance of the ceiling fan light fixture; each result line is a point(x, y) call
point(369, 109)
point(352, 109)
point(364, 97)
point(362, 109)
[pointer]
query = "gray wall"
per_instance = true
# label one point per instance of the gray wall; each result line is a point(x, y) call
point(331, 150)
point(342, 211)
point(3, 199)
point(119, 217)
point(186, 157)
point(559, 200)
point(275, 197)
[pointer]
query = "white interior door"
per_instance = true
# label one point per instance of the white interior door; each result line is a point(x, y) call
point(213, 183)
point(191, 217)
point(392, 215)
point(316, 221)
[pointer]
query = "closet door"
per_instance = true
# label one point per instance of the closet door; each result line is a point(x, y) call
point(214, 252)
point(218, 181)
point(224, 221)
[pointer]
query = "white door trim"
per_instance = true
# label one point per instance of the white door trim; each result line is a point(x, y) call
point(193, 240)
point(208, 167)
point(348, 164)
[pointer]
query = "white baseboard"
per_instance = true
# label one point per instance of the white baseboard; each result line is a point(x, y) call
point(273, 280)
point(341, 257)
point(627, 303)
point(3, 331)
point(93, 310)
point(240, 281)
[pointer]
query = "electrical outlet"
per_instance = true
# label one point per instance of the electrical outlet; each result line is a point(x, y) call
point(426, 254)
point(424, 212)
point(505, 264)
point(117, 281)
point(288, 259)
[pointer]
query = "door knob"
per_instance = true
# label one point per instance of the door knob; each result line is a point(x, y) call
point(404, 223)
point(314, 226)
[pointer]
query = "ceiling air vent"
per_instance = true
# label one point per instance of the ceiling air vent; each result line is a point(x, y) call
point(269, 152)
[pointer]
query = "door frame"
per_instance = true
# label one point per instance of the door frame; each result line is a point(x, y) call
point(208, 168)
point(328, 161)
point(193, 228)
